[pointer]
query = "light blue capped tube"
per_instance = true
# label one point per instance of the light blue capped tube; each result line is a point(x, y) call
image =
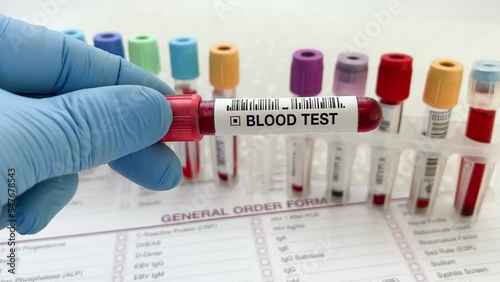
point(75, 33)
point(483, 97)
point(184, 63)
point(185, 71)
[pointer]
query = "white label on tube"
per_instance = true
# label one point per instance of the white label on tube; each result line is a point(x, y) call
point(428, 179)
point(221, 155)
point(182, 154)
point(463, 181)
point(437, 124)
point(297, 163)
point(192, 155)
point(230, 155)
point(286, 115)
point(379, 175)
point(391, 118)
point(337, 165)
point(390, 123)
point(436, 127)
point(225, 155)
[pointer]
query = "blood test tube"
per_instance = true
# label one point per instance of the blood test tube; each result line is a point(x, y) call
point(224, 77)
point(441, 92)
point(194, 118)
point(143, 51)
point(306, 80)
point(484, 100)
point(111, 42)
point(185, 71)
point(75, 33)
point(393, 88)
point(351, 72)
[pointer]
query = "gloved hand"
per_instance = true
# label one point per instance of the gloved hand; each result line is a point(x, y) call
point(66, 106)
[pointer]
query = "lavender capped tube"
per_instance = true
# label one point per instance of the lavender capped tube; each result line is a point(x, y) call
point(306, 80)
point(349, 79)
point(351, 72)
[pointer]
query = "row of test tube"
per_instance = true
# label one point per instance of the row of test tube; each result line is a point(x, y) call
point(143, 51)
point(441, 95)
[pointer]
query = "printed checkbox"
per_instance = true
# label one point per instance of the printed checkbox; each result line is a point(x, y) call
point(414, 266)
point(117, 279)
point(258, 230)
point(256, 221)
point(120, 258)
point(235, 121)
point(398, 235)
point(419, 277)
point(264, 261)
point(408, 255)
point(262, 251)
point(121, 237)
point(403, 245)
point(120, 247)
point(119, 268)
point(267, 272)
point(260, 240)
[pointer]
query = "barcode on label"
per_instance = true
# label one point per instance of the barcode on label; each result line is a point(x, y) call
point(438, 125)
point(430, 167)
point(391, 118)
point(268, 104)
point(221, 153)
point(379, 177)
point(294, 161)
point(337, 161)
point(439, 129)
point(384, 126)
point(297, 163)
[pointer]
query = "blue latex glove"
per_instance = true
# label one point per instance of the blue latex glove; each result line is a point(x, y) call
point(97, 108)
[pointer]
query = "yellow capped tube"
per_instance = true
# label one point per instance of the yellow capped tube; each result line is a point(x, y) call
point(441, 93)
point(224, 64)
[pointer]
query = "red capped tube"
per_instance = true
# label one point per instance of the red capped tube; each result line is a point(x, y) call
point(393, 88)
point(394, 78)
point(186, 118)
point(194, 118)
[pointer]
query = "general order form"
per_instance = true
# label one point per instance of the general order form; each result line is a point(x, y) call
point(114, 230)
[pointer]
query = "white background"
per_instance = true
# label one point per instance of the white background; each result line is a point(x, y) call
point(267, 33)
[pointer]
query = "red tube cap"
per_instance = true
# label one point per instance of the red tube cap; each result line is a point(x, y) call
point(185, 123)
point(394, 78)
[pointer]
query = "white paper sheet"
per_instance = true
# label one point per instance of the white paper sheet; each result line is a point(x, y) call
point(114, 230)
